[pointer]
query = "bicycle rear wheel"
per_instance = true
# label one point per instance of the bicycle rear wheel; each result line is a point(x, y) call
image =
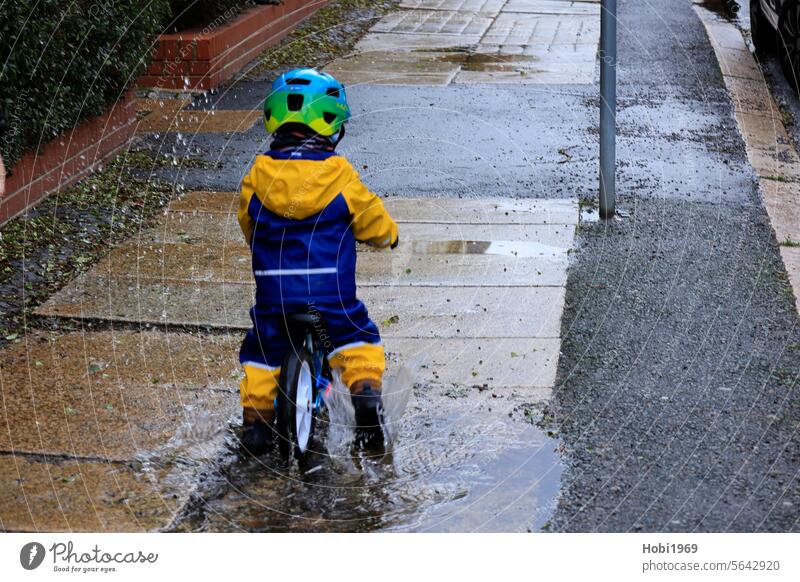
point(295, 406)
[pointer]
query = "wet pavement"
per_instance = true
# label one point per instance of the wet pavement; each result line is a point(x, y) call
point(677, 388)
point(466, 459)
point(664, 401)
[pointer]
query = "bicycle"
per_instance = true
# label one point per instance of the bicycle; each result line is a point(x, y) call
point(305, 377)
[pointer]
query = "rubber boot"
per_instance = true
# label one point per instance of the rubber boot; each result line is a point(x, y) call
point(257, 430)
point(368, 405)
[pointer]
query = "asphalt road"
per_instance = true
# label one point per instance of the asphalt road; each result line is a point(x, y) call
point(677, 399)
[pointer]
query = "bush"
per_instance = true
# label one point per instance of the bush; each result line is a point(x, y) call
point(64, 62)
point(198, 13)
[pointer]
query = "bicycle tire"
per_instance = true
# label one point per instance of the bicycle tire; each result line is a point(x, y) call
point(295, 406)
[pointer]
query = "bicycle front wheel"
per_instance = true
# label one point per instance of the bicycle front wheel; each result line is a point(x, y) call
point(295, 406)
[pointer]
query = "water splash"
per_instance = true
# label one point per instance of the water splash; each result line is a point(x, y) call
point(397, 390)
point(341, 417)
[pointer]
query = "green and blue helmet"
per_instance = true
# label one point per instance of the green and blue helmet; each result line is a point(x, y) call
point(308, 97)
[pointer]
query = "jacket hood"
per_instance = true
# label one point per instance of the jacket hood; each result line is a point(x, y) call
point(298, 185)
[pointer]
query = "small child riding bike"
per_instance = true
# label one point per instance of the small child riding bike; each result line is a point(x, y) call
point(302, 209)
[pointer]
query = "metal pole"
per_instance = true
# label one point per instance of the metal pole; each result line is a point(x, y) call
point(608, 106)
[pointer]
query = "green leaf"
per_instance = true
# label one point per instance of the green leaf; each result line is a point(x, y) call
point(390, 320)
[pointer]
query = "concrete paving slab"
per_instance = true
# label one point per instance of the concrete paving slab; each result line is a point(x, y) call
point(782, 200)
point(469, 270)
point(190, 262)
point(203, 201)
point(397, 67)
point(769, 149)
point(553, 7)
point(791, 259)
point(199, 121)
point(751, 96)
point(739, 63)
point(483, 211)
point(154, 301)
point(532, 239)
point(459, 312)
point(80, 495)
point(159, 107)
point(777, 162)
point(540, 29)
point(439, 22)
point(533, 55)
point(491, 7)
point(723, 35)
point(446, 311)
point(388, 41)
point(762, 132)
point(497, 363)
point(202, 261)
point(432, 209)
point(223, 233)
point(111, 395)
point(185, 227)
point(527, 74)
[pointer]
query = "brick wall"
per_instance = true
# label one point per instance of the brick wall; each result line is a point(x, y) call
point(67, 158)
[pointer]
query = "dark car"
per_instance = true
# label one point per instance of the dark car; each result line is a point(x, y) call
point(776, 23)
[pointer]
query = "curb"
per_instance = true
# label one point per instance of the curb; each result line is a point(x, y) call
point(769, 147)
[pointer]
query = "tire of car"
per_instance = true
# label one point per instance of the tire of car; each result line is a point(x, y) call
point(789, 43)
point(760, 28)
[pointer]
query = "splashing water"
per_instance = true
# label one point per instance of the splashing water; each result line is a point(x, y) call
point(341, 416)
point(397, 390)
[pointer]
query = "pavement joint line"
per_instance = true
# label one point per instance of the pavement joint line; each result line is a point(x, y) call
point(774, 198)
point(49, 457)
point(399, 285)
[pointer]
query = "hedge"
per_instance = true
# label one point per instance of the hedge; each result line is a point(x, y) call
point(64, 62)
point(198, 13)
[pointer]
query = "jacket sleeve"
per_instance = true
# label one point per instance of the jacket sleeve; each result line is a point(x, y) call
point(247, 192)
point(371, 222)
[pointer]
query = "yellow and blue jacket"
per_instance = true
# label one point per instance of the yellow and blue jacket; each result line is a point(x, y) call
point(302, 213)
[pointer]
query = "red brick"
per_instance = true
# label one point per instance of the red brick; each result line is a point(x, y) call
point(228, 48)
point(67, 158)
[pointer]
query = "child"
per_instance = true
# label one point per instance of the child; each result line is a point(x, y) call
point(302, 209)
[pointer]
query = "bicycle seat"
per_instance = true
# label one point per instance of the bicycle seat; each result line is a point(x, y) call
point(302, 319)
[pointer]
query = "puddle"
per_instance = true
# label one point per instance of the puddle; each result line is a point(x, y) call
point(509, 248)
point(464, 459)
point(487, 62)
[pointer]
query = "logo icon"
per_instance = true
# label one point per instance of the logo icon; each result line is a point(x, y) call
point(31, 555)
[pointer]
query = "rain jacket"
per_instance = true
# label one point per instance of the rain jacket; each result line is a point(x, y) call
point(301, 213)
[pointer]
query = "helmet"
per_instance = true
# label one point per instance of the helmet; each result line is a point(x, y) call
point(308, 97)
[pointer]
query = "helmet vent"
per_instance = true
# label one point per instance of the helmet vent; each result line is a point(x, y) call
point(333, 92)
point(298, 82)
point(268, 113)
point(294, 102)
point(328, 117)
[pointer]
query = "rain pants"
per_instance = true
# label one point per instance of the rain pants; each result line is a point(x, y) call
point(302, 213)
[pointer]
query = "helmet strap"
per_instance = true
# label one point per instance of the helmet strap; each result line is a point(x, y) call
point(339, 136)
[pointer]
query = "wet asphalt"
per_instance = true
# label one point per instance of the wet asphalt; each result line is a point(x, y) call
point(676, 403)
point(677, 398)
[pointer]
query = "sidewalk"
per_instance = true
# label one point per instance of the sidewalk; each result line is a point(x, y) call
point(664, 400)
point(474, 292)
